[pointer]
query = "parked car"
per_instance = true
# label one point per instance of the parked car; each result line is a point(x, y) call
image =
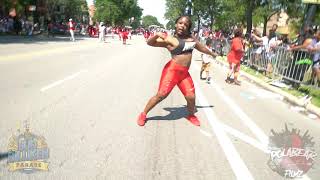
point(59, 28)
point(93, 31)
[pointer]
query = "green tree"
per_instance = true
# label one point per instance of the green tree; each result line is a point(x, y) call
point(18, 5)
point(170, 25)
point(75, 8)
point(174, 9)
point(268, 8)
point(67, 9)
point(207, 9)
point(149, 20)
point(231, 13)
point(117, 12)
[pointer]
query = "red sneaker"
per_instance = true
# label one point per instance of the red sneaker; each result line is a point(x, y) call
point(194, 120)
point(142, 119)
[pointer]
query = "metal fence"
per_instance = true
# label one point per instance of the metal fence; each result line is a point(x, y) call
point(294, 67)
point(279, 64)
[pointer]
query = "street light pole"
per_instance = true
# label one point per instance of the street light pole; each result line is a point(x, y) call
point(188, 10)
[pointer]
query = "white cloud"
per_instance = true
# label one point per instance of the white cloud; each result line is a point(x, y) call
point(155, 8)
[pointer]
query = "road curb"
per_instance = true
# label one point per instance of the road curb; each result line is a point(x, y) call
point(292, 99)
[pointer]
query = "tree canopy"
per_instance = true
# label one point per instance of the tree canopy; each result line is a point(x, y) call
point(71, 8)
point(226, 14)
point(117, 12)
point(150, 20)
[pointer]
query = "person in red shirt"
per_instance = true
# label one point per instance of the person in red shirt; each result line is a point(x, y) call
point(235, 55)
point(120, 33)
point(125, 36)
point(146, 35)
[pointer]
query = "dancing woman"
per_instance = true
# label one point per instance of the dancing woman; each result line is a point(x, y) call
point(175, 71)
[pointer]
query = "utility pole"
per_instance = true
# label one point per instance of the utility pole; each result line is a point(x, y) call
point(188, 10)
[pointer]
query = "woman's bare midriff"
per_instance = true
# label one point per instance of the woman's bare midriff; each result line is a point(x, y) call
point(183, 59)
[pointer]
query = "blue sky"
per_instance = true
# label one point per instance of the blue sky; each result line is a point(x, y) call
point(155, 8)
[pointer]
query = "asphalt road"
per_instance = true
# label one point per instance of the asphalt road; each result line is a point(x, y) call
point(84, 98)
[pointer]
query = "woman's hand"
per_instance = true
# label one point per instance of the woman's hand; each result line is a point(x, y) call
point(311, 49)
point(213, 54)
point(161, 35)
point(158, 40)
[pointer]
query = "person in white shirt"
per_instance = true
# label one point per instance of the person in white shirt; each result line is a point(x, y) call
point(315, 49)
point(206, 62)
point(102, 32)
point(71, 25)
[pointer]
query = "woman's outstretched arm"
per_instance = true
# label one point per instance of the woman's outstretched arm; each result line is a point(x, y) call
point(158, 40)
point(203, 49)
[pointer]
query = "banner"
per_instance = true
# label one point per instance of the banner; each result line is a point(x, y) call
point(38, 165)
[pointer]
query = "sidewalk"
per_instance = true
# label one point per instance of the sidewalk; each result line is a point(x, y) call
point(288, 97)
point(6, 39)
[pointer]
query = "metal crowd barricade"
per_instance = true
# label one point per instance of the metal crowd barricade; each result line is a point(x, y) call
point(291, 66)
point(221, 46)
point(300, 62)
point(278, 63)
point(259, 58)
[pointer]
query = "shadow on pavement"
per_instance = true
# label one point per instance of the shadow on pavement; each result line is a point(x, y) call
point(175, 113)
point(12, 39)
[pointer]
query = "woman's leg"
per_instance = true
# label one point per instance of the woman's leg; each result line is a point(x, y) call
point(167, 82)
point(191, 103)
point(154, 101)
point(230, 72)
point(186, 86)
point(236, 74)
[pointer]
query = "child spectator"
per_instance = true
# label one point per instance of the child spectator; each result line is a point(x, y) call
point(206, 62)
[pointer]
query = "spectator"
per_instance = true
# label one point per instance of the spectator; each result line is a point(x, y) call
point(296, 72)
point(272, 32)
point(315, 49)
point(206, 62)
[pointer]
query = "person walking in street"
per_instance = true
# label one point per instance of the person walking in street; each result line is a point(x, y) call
point(102, 32)
point(175, 71)
point(125, 34)
point(146, 35)
point(234, 57)
point(71, 25)
point(206, 62)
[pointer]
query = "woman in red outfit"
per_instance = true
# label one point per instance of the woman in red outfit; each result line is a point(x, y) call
point(125, 36)
point(146, 35)
point(235, 55)
point(175, 71)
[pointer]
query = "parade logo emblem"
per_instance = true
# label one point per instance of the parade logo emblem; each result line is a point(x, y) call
point(291, 155)
point(28, 153)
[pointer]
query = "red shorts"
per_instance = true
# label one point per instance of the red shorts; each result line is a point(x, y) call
point(175, 74)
